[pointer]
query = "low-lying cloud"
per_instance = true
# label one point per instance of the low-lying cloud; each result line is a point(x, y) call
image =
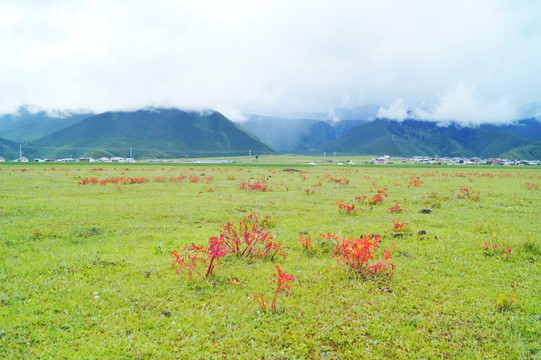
point(460, 104)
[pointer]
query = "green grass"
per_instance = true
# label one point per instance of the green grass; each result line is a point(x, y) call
point(86, 270)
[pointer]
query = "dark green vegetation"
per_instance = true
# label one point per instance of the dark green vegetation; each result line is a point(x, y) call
point(411, 137)
point(10, 150)
point(152, 133)
point(85, 270)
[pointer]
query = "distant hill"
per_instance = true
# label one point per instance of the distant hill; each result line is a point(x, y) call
point(9, 150)
point(412, 137)
point(26, 125)
point(526, 129)
point(151, 133)
point(296, 135)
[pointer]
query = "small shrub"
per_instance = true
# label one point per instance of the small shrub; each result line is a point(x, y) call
point(355, 254)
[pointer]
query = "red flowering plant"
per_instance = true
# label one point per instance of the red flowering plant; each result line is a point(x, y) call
point(281, 285)
point(378, 198)
point(494, 249)
point(281, 280)
point(197, 256)
point(258, 185)
point(532, 187)
point(396, 207)
point(415, 181)
point(305, 240)
point(251, 238)
point(356, 253)
point(345, 207)
point(467, 193)
point(400, 226)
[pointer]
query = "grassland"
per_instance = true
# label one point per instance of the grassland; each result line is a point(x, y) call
point(86, 271)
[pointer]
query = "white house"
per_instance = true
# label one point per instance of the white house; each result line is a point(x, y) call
point(380, 161)
point(86, 159)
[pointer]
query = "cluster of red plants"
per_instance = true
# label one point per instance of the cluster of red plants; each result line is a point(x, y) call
point(305, 240)
point(114, 180)
point(378, 198)
point(87, 181)
point(400, 226)
point(345, 207)
point(356, 253)
point(494, 250)
point(258, 185)
point(467, 193)
point(339, 181)
point(533, 187)
point(396, 208)
point(415, 182)
point(251, 238)
point(195, 256)
point(140, 180)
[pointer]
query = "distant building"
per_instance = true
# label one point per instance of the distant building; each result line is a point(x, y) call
point(2, 159)
point(21, 159)
point(380, 161)
point(86, 159)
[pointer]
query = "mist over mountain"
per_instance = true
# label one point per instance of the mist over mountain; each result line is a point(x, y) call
point(27, 124)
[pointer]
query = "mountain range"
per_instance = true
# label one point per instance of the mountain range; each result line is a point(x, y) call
point(147, 133)
point(173, 133)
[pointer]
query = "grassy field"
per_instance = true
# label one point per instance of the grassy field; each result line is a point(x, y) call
point(86, 270)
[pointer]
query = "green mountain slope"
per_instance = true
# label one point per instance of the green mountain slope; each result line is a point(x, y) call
point(411, 137)
point(525, 152)
point(296, 135)
point(526, 129)
point(152, 133)
point(26, 125)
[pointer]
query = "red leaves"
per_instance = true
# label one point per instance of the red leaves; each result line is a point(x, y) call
point(345, 207)
point(258, 185)
point(415, 182)
point(494, 249)
point(532, 187)
point(281, 285)
point(87, 181)
point(467, 193)
point(355, 254)
point(252, 238)
point(400, 226)
point(305, 240)
point(195, 255)
point(396, 207)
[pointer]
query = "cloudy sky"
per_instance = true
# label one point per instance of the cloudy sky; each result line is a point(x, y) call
point(472, 61)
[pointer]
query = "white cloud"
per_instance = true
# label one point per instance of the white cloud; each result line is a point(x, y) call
point(461, 104)
point(271, 56)
point(396, 111)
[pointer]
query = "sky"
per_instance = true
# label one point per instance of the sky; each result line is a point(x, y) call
point(461, 60)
